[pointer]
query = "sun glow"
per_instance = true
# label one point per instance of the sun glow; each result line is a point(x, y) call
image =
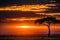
point(23, 26)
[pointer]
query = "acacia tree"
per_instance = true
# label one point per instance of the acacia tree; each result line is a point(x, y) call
point(47, 21)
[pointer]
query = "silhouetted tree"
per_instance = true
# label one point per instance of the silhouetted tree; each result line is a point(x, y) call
point(47, 21)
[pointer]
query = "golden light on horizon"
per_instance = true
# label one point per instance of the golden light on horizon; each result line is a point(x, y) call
point(23, 26)
point(34, 8)
point(19, 19)
point(26, 29)
point(26, 26)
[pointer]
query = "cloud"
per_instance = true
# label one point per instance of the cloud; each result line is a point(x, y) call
point(52, 14)
point(33, 8)
point(20, 19)
point(17, 14)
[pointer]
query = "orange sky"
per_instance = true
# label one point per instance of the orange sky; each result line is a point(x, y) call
point(18, 29)
point(29, 29)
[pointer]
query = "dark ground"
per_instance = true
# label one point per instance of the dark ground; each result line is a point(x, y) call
point(28, 38)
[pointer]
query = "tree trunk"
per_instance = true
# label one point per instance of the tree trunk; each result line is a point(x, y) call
point(49, 30)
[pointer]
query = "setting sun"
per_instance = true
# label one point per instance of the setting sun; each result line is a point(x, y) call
point(23, 26)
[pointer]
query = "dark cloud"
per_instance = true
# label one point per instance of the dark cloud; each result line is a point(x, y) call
point(32, 1)
point(7, 2)
point(17, 14)
point(20, 2)
point(57, 1)
point(52, 10)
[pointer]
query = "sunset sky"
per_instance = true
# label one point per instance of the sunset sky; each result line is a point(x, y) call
point(18, 16)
